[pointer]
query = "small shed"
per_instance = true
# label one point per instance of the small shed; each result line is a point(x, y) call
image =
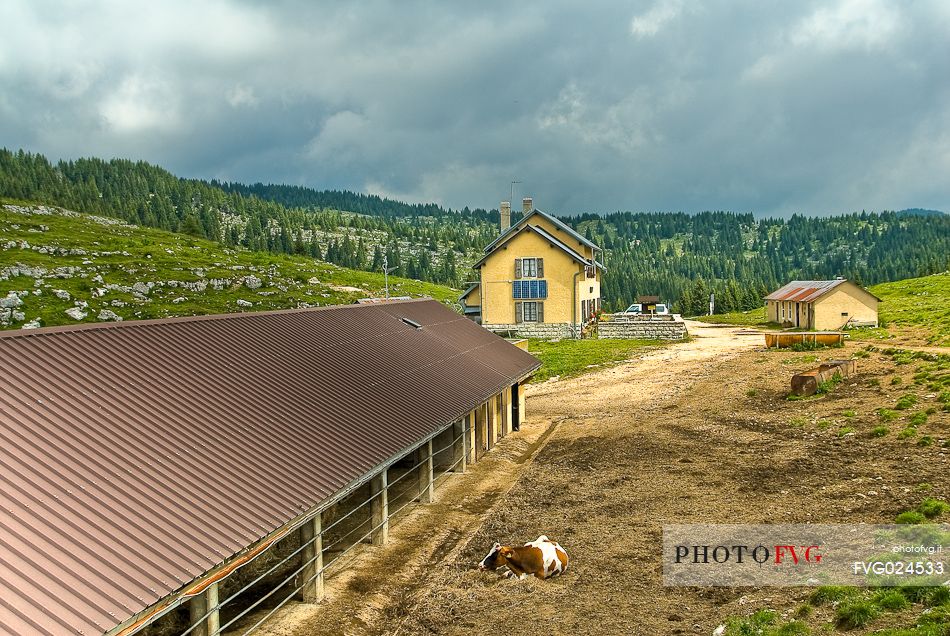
point(822, 304)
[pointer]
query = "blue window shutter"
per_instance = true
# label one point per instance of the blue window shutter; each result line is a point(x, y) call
point(516, 289)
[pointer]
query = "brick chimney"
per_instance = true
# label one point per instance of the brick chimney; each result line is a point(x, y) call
point(505, 209)
point(527, 205)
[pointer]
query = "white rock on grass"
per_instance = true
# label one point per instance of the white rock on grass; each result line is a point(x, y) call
point(180, 299)
point(75, 313)
point(108, 314)
point(12, 300)
point(244, 303)
point(252, 282)
point(33, 324)
point(61, 293)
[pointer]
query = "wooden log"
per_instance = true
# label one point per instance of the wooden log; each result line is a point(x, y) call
point(808, 382)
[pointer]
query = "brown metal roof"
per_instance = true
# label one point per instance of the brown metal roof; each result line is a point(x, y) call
point(805, 291)
point(136, 456)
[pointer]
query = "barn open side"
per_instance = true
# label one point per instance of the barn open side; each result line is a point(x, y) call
point(212, 466)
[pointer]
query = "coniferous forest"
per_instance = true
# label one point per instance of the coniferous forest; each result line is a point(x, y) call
point(680, 257)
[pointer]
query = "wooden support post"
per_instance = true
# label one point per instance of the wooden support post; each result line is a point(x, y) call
point(481, 433)
point(200, 605)
point(459, 449)
point(522, 411)
point(426, 487)
point(506, 411)
point(379, 508)
point(311, 539)
point(470, 437)
point(492, 422)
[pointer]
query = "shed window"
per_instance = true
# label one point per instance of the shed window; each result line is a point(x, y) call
point(844, 313)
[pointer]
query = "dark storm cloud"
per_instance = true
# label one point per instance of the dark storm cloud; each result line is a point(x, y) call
point(660, 105)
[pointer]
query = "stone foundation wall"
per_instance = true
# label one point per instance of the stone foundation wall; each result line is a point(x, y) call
point(541, 330)
point(642, 329)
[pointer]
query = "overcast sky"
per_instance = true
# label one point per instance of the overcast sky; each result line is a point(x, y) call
point(770, 107)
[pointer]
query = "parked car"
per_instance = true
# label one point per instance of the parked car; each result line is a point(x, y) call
point(659, 309)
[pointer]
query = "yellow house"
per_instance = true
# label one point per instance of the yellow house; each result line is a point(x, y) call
point(538, 279)
point(822, 304)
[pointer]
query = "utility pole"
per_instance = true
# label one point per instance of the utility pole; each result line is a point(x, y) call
point(386, 270)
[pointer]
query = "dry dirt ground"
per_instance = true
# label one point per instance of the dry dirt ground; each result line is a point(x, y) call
point(694, 432)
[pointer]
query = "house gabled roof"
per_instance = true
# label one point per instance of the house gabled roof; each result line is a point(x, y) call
point(514, 229)
point(469, 290)
point(555, 241)
point(139, 455)
point(806, 291)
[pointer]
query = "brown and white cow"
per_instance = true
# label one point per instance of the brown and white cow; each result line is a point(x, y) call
point(541, 558)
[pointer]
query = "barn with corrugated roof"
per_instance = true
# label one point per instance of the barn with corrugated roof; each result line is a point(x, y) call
point(822, 304)
point(149, 467)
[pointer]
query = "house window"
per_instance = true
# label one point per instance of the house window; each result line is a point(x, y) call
point(844, 313)
point(529, 267)
point(531, 311)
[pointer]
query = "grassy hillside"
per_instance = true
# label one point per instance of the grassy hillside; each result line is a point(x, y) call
point(921, 304)
point(53, 261)
point(918, 302)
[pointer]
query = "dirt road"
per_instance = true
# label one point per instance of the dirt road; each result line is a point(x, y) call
point(695, 432)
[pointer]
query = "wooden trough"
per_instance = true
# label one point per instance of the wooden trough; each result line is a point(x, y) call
point(807, 383)
point(790, 338)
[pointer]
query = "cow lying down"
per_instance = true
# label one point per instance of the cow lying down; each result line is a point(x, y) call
point(541, 558)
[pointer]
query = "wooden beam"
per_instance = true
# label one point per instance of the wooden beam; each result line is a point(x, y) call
point(459, 434)
point(200, 605)
point(312, 540)
point(379, 508)
point(426, 486)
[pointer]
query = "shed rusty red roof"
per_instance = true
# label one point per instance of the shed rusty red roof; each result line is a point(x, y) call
point(137, 456)
point(806, 291)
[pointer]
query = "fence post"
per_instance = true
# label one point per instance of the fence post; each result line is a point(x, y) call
point(312, 539)
point(379, 508)
point(199, 605)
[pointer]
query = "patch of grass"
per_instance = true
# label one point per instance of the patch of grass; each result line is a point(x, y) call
point(890, 599)
point(907, 433)
point(849, 413)
point(886, 415)
point(905, 402)
point(764, 623)
point(924, 487)
point(845, 430)
point(926, 440)
point(933, 508)
point(824, 425)
point(751, 318)
point(831, 594)
point(855, 613)
point(828, 385)
point(880, 431)
point(798, 422)
point(751, 393)
point(569, 358)
point(918, 419)
point(896, 380)
point(911, 517)
point(861, 353)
